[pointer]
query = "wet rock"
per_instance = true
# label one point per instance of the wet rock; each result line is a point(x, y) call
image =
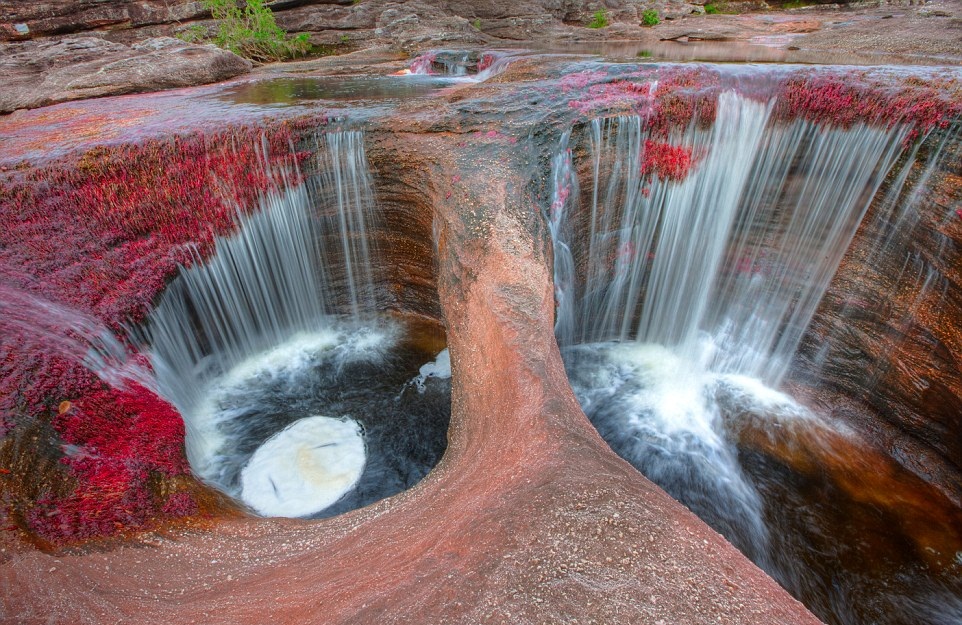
point(51, 71)
point(887, 335)
point(529, 518)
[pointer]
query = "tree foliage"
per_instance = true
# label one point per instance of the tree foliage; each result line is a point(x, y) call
point(251, 31)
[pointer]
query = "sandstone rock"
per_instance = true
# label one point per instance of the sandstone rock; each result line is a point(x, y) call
point(412, 24)
point(47, 72)
point(58, 17)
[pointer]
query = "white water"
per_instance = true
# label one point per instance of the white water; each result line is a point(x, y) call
point(345, 189)
point(455, 63)
point(727, 266)
point(439, 368)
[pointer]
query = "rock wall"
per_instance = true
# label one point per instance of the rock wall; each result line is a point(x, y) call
point(887, 337)
point(513, 20)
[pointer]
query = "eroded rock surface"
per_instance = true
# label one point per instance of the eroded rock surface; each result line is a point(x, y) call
point(41, 71)
point(887, 334)
point(50, 71)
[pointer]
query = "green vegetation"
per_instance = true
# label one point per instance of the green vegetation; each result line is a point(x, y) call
point(712, 9)
point(650, 17)
point(599, 19)
point(477, 24)
point(796, 4)
point(645, 54)
point(194, 33)
point(252, 32)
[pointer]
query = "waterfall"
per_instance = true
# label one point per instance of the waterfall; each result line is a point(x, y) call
point(40, 327)
point(345, 183)
point(683, 292)
point(563, 189)
point(276, 278)
point(726, 266)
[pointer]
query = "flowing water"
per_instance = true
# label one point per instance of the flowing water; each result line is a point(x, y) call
point(291, 388)
point(680, 305)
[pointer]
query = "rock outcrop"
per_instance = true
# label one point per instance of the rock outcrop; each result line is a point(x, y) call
point(50, 71)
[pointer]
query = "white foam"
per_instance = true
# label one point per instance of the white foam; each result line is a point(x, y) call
point(753, 395)
point(204, 438)
point(672, 390)
point(304, 468)
point(285, 363)
point(439, 368)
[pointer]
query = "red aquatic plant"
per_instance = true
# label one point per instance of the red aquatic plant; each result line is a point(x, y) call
point(871, 98)
point(102, 234)
point(424, 63)
point(669, 162)
point(106, 232)
point(114, 443)
point(667, 99)
point(486, 61)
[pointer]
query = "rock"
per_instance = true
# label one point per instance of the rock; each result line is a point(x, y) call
point(416, 25)
point(887, 333)
point(529, 518)
point(47, 72)
point(59, 17)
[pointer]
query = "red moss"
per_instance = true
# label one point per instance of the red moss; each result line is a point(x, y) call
point(667, 100)
point(487, 60)
point(669, 162)
point(423, 64)
point(620, 96)
point(180, 505)
point(114, 442)
point(843, 100)
point(580, 80)
point(103, 235)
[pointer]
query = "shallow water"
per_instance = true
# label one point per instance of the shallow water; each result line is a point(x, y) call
point(291, 91)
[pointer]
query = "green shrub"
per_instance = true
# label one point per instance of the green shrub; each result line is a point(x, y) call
point(650, 17)
point(711, 9)
point(195, 33)
point(252, 32)
point(645, 54)
point(477, 24)
point(599, 19)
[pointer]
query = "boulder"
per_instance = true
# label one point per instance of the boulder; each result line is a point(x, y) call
point(50, 71)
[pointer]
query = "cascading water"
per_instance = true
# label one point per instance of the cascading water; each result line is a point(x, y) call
point(289, 406)
point(682, 297)
point(44, 326)
point(461, 64)
point(683, 263)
